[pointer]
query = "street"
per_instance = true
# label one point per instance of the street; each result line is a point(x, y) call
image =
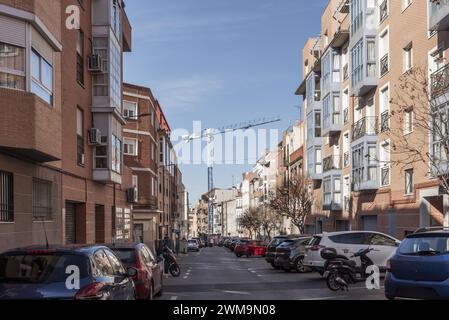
point(217, 274)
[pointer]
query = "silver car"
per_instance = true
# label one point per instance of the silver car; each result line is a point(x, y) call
point(193, 245)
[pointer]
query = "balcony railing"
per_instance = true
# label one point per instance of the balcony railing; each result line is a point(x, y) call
point(440, 81)
point(347, 159)
point(346, 203)
point(384, 65)
point(331, 163)
point(385, 176)
point(384, 121)
point(383, 11)
point(346, 115)
point(364, 127)
point(345, 72)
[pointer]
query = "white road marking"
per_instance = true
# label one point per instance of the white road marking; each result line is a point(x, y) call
point(237, 292)
point(174, 298)
point(185, 277)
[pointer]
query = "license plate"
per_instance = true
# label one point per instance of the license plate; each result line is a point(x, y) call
point(326, 274)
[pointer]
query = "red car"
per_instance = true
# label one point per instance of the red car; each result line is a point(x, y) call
point(150, 270)
point(250, 248)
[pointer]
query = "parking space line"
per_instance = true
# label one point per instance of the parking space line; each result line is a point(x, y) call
point(174, 298)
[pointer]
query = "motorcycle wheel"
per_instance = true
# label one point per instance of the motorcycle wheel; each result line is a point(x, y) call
point(174, 270)
point(332, 282)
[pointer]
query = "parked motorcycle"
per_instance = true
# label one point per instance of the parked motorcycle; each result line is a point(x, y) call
point(341, 271)
point(170, 263)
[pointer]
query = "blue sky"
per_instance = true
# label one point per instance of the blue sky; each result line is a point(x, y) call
point(221, 62)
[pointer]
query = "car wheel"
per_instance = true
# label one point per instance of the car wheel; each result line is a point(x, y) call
point(238, 255)
point(248, 255)
point(275, 267)
point(300, 268)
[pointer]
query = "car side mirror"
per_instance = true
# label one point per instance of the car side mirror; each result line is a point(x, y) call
point(131, 272)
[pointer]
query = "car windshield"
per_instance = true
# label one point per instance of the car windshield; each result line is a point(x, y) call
point(276, 242)
point(41, 268)
point(126, 256)
point(425, 245)
point(192, 242)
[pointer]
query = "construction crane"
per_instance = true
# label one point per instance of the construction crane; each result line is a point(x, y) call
point(208, 135)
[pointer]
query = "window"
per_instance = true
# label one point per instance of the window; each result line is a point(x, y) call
point(101, 157)
point(381, 240)
point(161, 150)
point(6, 197)
point(372, 163)
point(103, 264)
point(383, 52)
point(345, 106)
point(42, 207)
point(116, 17)
point(326, 78)
point(317, 124)
point(371, 59)
point(80, 57)
point(356, 11)
point(117, 266)
point(12, 66)
point(115, 74)
point(116, 154)
point(135, 182)
point(80, 137)
point(318, 161)
point(384, 109)
point(327, 191)
point(408, 121)
point(409, 187)
point(42, 77)
point(130, 109)
point(335, 67)
point(337, 191)
point(130, 147)
point(408, 57)
point(358, 165)
point(357, 63)
point(350, 238)
point(385, 163)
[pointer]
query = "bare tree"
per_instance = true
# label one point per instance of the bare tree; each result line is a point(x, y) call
point(293, 201)
point(251, 220)
point(419, 106)
point(271, 221)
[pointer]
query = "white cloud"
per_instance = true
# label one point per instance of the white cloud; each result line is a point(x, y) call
point(186, 93)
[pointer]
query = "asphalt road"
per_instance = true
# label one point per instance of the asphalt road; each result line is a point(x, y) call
point(217, 274)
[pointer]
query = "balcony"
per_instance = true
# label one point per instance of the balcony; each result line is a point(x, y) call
point(385, 121)
point(384, 65)
point(331, 163)
point(346, 116)
point(385, 176)
point(365, 180)
point(346, 72)
point(438, 15)
point(347, 159)
point(29, 128)
point(365, 127)
point(383, 11)
point(439, 82)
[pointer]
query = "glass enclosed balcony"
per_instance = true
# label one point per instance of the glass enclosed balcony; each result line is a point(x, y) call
point(438, 15)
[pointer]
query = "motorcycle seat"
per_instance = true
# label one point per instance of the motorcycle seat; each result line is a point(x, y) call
point(350, 263)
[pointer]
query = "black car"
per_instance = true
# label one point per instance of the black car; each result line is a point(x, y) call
point(290, 254)
point(65, 273)
point(271, 248)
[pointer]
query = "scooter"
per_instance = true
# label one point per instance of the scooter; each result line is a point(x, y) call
point(170, 263)
point(341, 272)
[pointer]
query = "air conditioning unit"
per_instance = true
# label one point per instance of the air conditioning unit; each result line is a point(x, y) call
point(95, 63)
point(94, 136)
point(131, 195)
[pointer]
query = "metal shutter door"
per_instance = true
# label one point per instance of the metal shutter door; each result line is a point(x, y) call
point(70, 225)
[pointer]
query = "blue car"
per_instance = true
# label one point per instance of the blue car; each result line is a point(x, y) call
point(64, 273)
point(420, 267)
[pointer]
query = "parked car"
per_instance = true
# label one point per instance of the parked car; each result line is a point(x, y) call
point(271, 248)
point(150, 272)
point(289, 254)
point(349, 242)
point(193, 245)
point(201, 243)
point(42, 272)
point(250, 248)
point(420, 267)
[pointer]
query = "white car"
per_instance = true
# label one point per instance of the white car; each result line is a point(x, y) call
point(349, 242)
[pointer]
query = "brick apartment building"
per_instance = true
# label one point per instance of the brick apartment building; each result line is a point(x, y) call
point(62, 134)
point(160, 194)
point(351, 74)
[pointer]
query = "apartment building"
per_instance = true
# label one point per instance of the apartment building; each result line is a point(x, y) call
point(199, 219)
point(351, 75)
point(61, 167)
point(140, 149)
